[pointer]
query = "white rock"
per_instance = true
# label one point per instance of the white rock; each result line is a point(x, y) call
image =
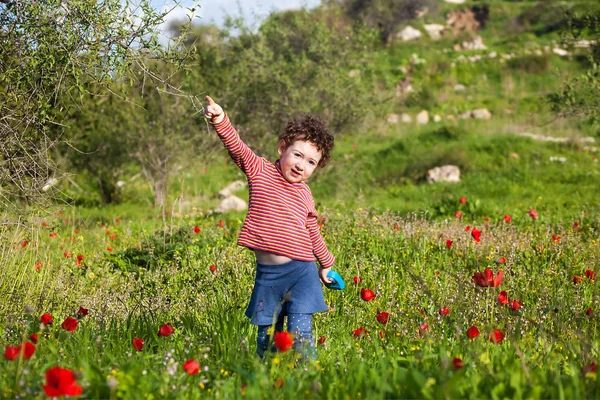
point(405, 118)
point(393, 119)
point(231, 203)
point(445, 173)
point(422, 118)
point(584, 43)
point(121, 184)
point(560, 52)
point(353, 73)
point(232, 188)
point(476, 44)
point(481, 113)
point(437, 118)
point(455, 1)
point(538, 52)
point(465, 115)
point(493, 54)
point(434, 30)
point(558, 159)
point(409, 33)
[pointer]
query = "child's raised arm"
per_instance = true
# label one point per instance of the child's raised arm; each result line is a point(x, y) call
point(246, 159)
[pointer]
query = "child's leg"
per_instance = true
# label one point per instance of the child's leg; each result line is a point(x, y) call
point(262, 339)
point(301, 326)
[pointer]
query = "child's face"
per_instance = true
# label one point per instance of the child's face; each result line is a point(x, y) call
point(298, 161)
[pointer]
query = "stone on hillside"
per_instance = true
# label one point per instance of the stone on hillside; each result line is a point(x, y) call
point(460, 87)
point(409, 33)
point(465, 115)
point(558, 159)
point(445, 173)
point(493, 54)
point(393, 119)
point(538, 52)
point(405, 118)
point(434, 30)
point(120, 184)
point(463, 20)
point(475, 44)
point(422, 118)
point(231, 203)
point(404, 87)
point(481, 113)
point(560, 52)
point(353, 73)
point(584, 43)
point(514, 155)
point(455, 1)
point(437, 118)
point(232, 188)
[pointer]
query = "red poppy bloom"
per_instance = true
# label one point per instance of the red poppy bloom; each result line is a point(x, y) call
point(496, 336)
point(444, 311)
point(590, 274)
point(367, 294)
point(462, 200)
point(589, 312)
point(34, 338)
point(24, 243)
point(283, 341)
point(486, 219)
point(503, 298)
point(166, 330)
point(515, 305)
point(278, 384)
point(46, 319)
point(117, 219)
point(507, 218)
point(383, 317)
point(322, 339)
point(79, 259)
point(467, 228)
point(487, 278)
point(449, 243)
point(472, 332)
point(221, 223)
point(197, 229)
point(577, 279)
point(360, 332)
point(591, 367)
point(12, 353)
point(61, 382)
point(109, 249)
point(44, 223)
point(28, 350)
point(555, 238)
point(458, 214)
point(476, 233)
point(82, 312)
point(357, 279)
point(533, 214)
point(213, 268)
point(458, 363)
point(38, 265)
point(138, 344)
point(69, 324)
point(423, 329)
point(191, 367)
point(575, 224)
point(501, 260)
point(67, 254)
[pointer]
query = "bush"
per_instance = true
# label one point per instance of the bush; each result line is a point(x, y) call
point(531, 64)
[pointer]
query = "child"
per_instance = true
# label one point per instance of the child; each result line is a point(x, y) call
point(281, 226)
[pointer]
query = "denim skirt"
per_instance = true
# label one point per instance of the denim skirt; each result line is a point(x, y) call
point(295, 281)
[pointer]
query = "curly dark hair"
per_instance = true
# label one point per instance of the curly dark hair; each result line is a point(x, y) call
point(311, 129)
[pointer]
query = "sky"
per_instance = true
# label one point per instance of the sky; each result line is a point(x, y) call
point(215, 11)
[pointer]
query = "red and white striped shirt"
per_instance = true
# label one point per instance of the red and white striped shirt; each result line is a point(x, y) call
point(282, 218)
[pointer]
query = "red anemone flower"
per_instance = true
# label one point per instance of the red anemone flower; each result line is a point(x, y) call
point(79, 259)
point(476, 233)
point(423, 329)
point(191, 367)
point(138, 344)
point(507, 218)
point(515, 305)
point(486, 278)
point(458, 214)
point(46, 319)
point(501, 260)
point(457, 363)
point(591, 367)
point(472, 332)
point(221, 223)
point(82, 312)
point(533, 214)
point(67, 254)
point(591, 275)
point(360, 332)
point(575, 224)
point(503, 298)
point(555, 238)
point(166, 330)
point(396, 227)
point(322, 339)
point(357, 279)
point(589, 312)
point(383, 317)
point(467, 228)
point(197, 229)
point(109, 249)
point(496, 336)
point(34, 338)
point(61, 382)
point(213, 268)
point(577, 279)
point(444, 311)
point(28, 350)
point(449, 243)
point(283, 341)
point(69, 324)
point(12, 353)
point(367, 294)
point(462, 200)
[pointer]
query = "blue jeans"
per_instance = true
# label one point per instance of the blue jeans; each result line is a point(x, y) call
point(300, 325)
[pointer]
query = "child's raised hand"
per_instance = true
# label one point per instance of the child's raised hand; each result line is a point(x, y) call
point(213, 112)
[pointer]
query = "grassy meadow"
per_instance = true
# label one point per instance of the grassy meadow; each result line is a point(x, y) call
point(134, 268)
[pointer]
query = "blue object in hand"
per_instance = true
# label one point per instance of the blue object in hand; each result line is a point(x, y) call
point(338, 282)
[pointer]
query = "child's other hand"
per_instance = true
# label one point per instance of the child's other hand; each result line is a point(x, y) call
point(323, 276)
point(213, 112)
